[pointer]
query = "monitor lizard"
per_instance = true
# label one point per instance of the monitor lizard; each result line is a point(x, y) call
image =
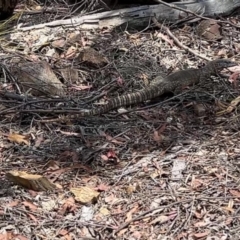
point(159, 86)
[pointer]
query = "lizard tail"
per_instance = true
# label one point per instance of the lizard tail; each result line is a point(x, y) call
point(127, 99)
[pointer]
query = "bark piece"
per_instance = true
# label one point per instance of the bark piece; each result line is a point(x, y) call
point(92, 58)
point(38, 79)
point(209, 29)
point(30, 181)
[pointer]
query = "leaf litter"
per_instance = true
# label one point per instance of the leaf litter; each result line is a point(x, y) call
point(144, 173)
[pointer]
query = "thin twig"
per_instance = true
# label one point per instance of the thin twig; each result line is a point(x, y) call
point(6, 74)
point(170, 34)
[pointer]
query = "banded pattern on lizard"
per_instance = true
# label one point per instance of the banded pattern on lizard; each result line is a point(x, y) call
point(160, 86)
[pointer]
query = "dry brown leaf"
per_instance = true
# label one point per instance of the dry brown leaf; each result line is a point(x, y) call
point(200, 224)
point(133, 36)
point(112, 154)
point(69, 133)
point(155, 174)
point(60, 43)
point(73, 155)
point(113, 140)
point(2, 212)
point(118, 210)
point(222, 52)
point(120, 81)
point(234, 103)
point(196, 183)
point(199, 109)
point(69, 205)
point(129, 214)
point(19, 237)
point(201, 235)
point(235, 69)
point(111, 199)
point(39, 140)
point(165, 38)
point(68, 237)
point(160, 219)
point(137, 235)
point(162, 128)
point(30, 181)
point(85, 194)
point(158, 134)
point(228, 209)
point(79, 87)
point(48, 205)
point(63, 232)
point(183, 189)
point(182, 235)
point(32, 193)
point(122, 232)
point(228, 221)
point(30, 205)
point(51, 165)
point(233, 78)
point(104, 157)
point(104, 211)
point(235, 193)
point(92, 58)
point(34, 58)
point(13, 203)
point(5, 236)
point(102, 187)
point(198, 215)
point(130, 189)
point(70, 53)
point(74, 38)
point(17, 138)
point(70, 75)
point(33, 217)
point(157, 137)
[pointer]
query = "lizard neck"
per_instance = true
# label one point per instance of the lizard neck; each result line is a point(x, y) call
point(209, 70)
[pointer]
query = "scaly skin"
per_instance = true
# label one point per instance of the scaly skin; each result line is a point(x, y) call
point(169, 84)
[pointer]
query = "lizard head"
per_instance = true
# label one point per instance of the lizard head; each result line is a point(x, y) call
point(219, 64)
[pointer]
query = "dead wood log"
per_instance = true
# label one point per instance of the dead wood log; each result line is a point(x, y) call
point(140, 16)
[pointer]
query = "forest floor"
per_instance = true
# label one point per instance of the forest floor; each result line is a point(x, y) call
point(162, 169)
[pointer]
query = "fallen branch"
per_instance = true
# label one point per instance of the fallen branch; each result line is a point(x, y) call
point(139, 16)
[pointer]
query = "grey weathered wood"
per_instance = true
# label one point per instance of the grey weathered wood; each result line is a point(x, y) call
point(140, 16)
